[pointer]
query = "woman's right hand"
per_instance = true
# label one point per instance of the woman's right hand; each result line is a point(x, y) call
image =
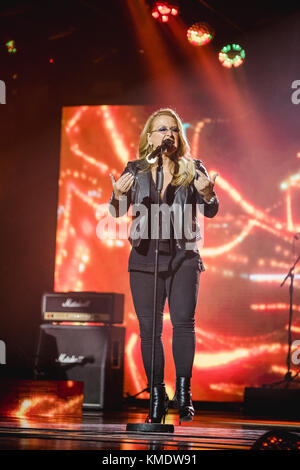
point(122, 185)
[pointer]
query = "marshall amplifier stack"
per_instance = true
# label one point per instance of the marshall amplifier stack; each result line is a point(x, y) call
point(83, 307)
point(79, 342)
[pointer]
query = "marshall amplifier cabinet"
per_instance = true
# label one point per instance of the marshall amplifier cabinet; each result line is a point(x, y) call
point(93, 355)
point(83, 307)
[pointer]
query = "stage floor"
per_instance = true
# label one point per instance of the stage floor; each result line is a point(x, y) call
point(106, 430)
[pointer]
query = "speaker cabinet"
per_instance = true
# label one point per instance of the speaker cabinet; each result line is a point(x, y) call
point(91, 354)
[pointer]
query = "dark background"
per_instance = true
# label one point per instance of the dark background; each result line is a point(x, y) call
point(97, 60)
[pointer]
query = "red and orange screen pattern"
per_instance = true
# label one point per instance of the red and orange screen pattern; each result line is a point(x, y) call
point(242, 313)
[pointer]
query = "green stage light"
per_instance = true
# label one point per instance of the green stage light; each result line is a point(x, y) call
point(11, 47)
point(232, 55)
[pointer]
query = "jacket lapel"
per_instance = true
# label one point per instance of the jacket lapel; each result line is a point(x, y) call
point(143, 180)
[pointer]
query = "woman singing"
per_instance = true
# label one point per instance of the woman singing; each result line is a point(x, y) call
point(185, 184)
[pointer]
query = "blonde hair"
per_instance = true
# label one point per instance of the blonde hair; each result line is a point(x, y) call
point(184, 168)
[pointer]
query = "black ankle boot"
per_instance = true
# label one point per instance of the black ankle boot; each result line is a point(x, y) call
point(160, 404)
point(183, 399)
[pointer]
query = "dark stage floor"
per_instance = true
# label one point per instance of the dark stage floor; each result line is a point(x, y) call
point(106, 430)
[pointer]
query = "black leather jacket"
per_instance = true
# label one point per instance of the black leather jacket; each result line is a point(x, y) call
point(139, 193)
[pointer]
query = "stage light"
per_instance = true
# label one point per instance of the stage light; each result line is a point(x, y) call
point(232, 55)
point(163, 11)
point(200, 34)
point(277, 440)
point(11, 47)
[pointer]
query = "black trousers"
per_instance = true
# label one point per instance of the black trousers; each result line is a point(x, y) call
point(181, 287)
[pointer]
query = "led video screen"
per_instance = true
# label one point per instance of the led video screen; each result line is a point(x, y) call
point(248, 247)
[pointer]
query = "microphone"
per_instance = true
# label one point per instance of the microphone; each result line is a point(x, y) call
point(166, 144)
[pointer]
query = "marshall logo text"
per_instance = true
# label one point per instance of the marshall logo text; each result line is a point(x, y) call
point(65, 359)
point(70, 303)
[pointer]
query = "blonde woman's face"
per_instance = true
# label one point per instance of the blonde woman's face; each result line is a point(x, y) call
point(164, 127)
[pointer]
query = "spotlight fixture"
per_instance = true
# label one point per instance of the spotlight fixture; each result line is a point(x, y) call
point(232, 55)
point(200, 34)
point(163, 11)
point(11, 47)
point(277, 440)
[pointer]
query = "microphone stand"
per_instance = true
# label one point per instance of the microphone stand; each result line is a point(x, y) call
point(288, 378)
point(148, 426)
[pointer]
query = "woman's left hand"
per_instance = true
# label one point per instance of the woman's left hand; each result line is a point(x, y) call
point(205, 185)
